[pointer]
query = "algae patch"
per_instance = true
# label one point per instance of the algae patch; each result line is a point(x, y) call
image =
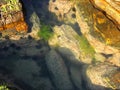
point(86, 48)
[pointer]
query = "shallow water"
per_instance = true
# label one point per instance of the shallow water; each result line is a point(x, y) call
point(31, 73)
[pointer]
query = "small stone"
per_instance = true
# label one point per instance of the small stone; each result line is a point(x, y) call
point(58, 71)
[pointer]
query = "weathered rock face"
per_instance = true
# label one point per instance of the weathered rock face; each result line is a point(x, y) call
point(105, 75)
point(101, 33)
point(99, 30)
point(66, 37)
point(11, 17)
point(60, 7)
point(89, 27)
point(63, 39)
point(100, 26)
point(65, 66)
point(111, 8)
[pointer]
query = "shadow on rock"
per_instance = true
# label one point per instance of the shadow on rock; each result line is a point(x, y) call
point(67, 72)
point(37, 12)
point(33, 64)
point(21, 61)
point(55, 69)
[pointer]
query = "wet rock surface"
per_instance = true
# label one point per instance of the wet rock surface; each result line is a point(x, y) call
point(58, 71)
point(104, 73)
point(100, 25)
point(77, 57)
point(110, 7)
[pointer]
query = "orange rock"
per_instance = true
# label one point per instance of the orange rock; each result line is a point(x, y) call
point(1, 28)
point(21, 27)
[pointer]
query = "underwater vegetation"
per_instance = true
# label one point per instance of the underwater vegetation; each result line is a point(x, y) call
point(45, 32)
point(85, 46)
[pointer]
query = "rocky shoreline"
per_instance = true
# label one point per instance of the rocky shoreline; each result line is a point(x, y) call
point(72, 59)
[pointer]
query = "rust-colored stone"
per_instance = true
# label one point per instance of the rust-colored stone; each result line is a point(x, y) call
point(1, 28)
point(21, 27)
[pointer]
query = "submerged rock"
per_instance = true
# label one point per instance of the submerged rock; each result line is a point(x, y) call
point(86, 26)
point(58, 71)
point(76, 77)
point(29, 72)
